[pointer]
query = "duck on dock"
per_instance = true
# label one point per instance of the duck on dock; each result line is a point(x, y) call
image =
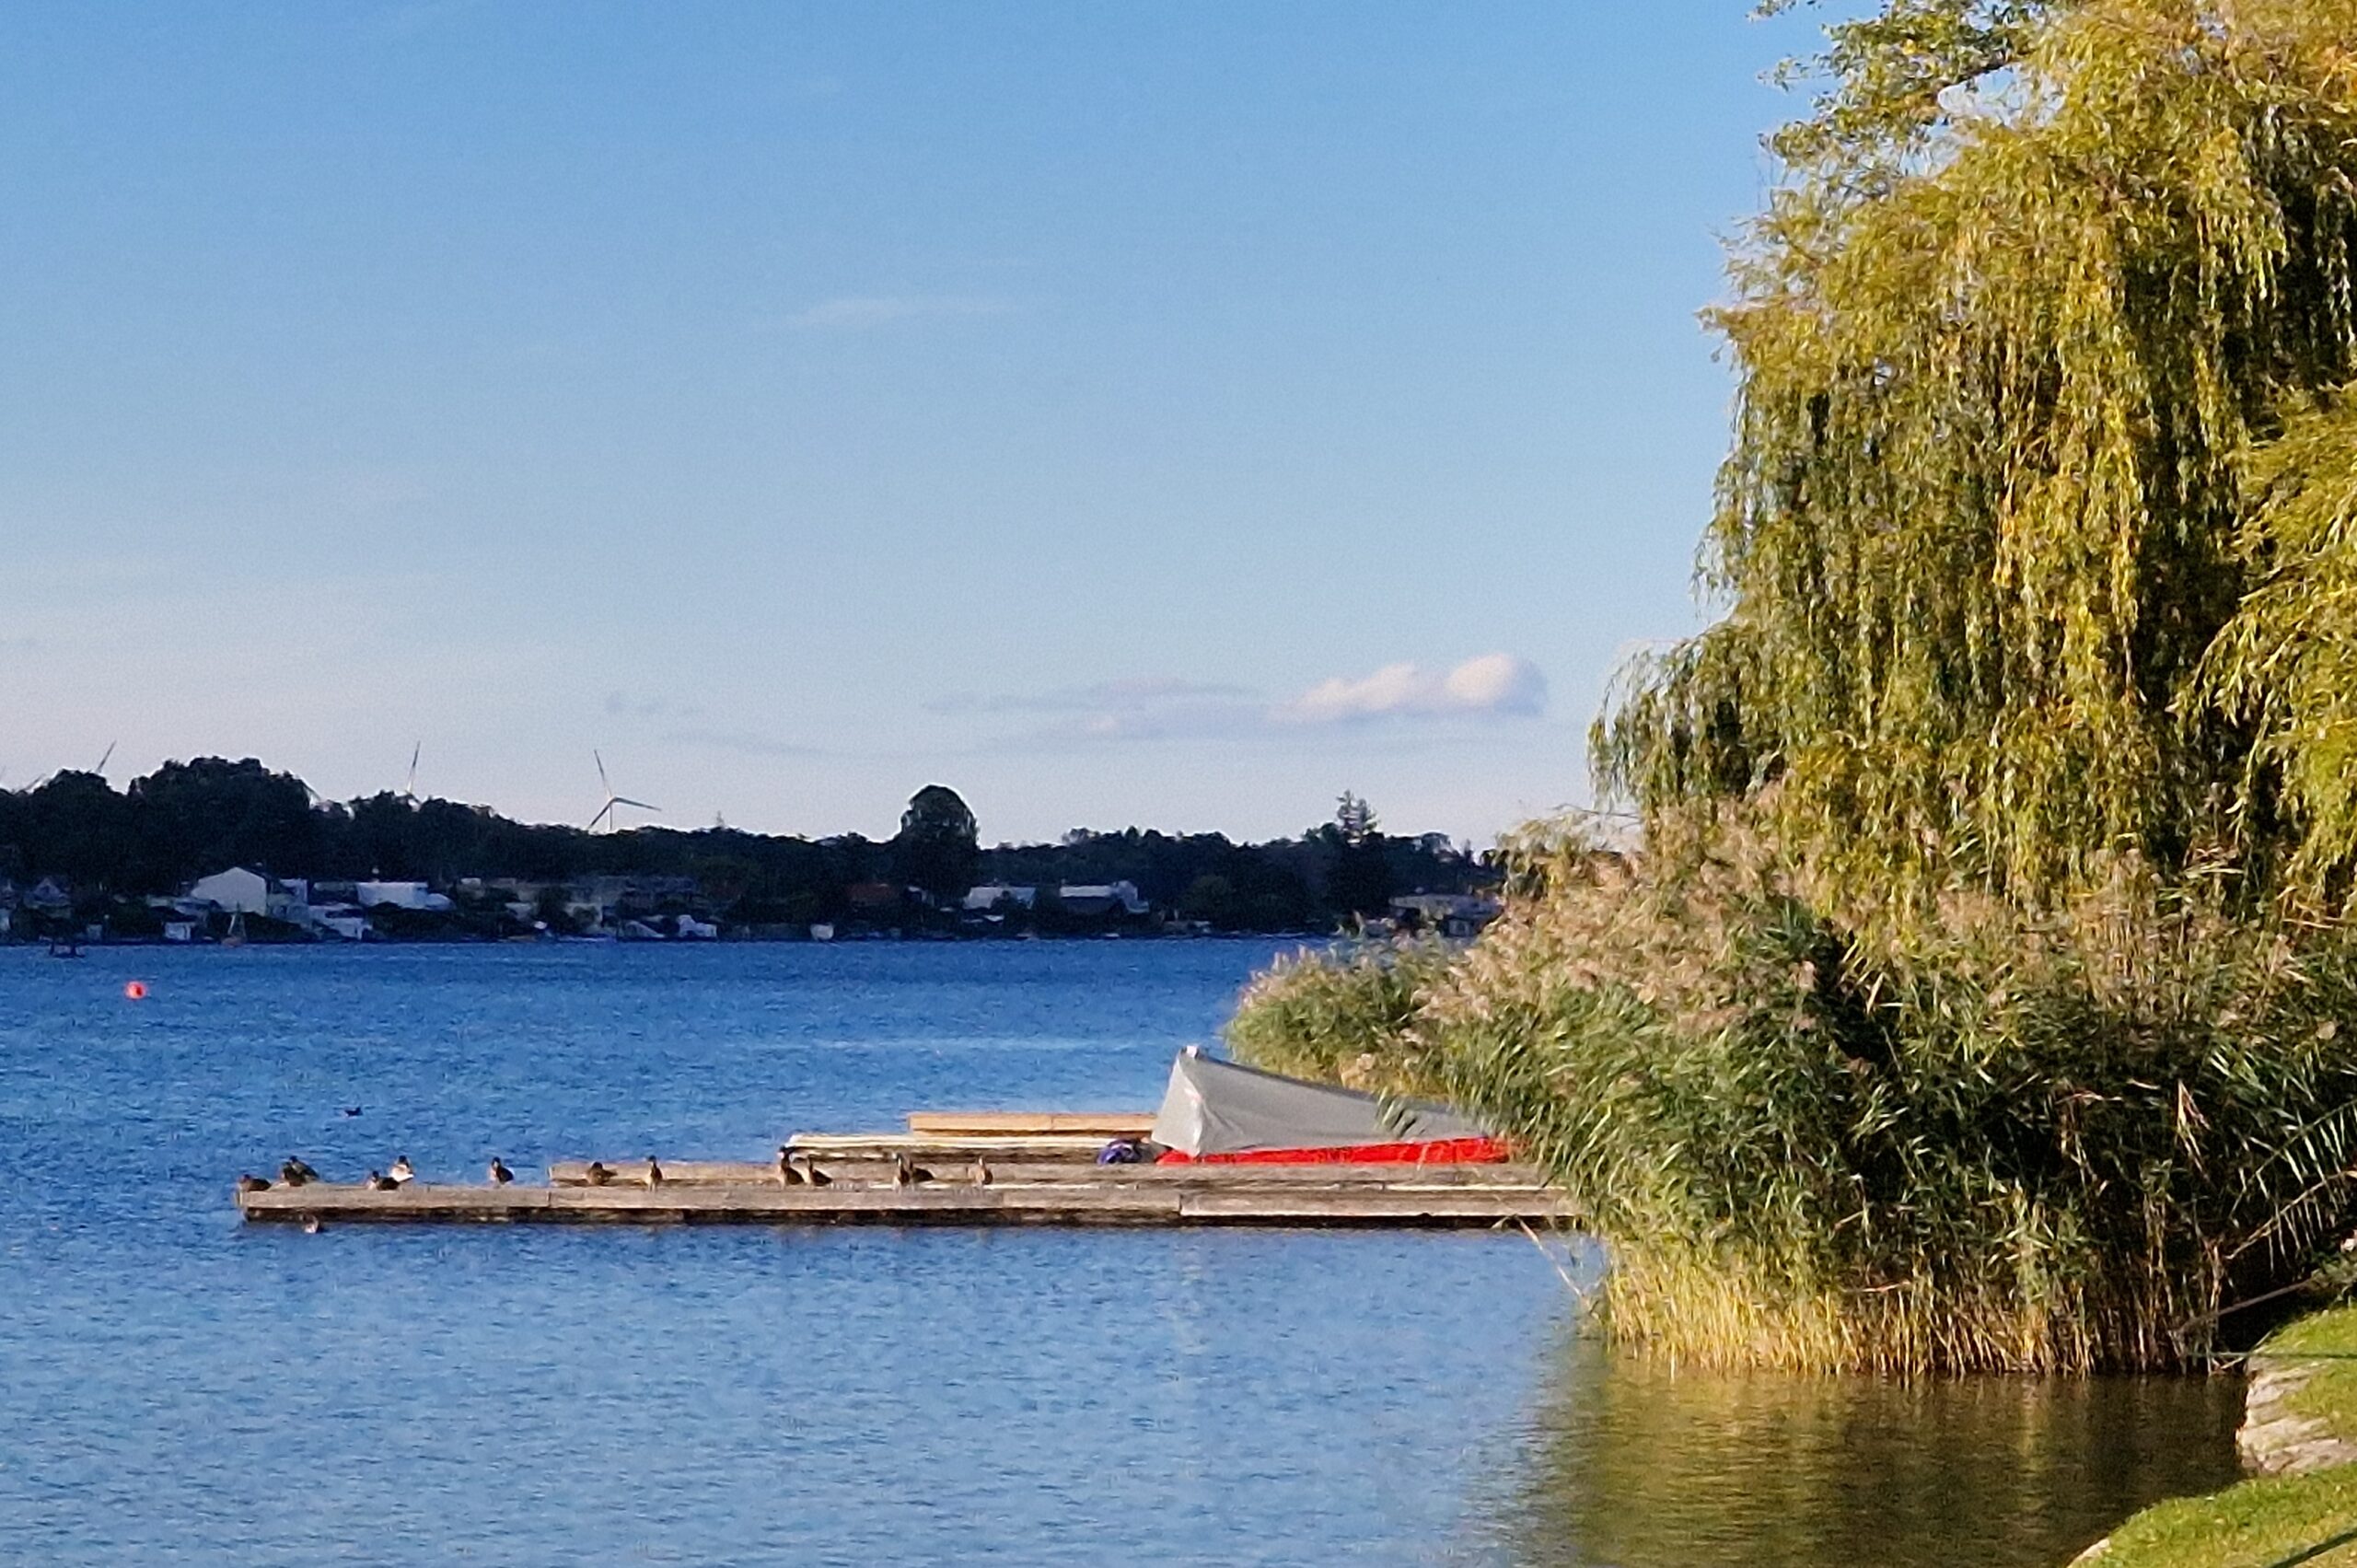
point(811, 1175)
point(499, 1173)
point(596, 1175)
point(401, 1170)
point(294, 1172)
point(787, 1175)
point(377, 1182)
point(982, 1170)
point(907, 1175)
point(654, 1172)
point(252, 1184)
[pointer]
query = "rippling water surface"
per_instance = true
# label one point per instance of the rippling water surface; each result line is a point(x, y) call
point(176, 1388)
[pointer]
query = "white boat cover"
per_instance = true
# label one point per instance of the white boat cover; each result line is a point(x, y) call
point(1220, 1107)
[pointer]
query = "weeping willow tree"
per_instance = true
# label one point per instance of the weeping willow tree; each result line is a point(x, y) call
point(2040, 350)
point(2286, 665)
point(1979, 992)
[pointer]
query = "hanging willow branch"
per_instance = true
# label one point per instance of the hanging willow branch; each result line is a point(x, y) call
point(2015, 339)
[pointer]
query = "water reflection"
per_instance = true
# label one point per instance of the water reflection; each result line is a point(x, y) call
point(1635, 1466)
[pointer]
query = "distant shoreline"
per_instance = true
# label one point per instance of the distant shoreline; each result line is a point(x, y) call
point(224, 851)
point(925, 938)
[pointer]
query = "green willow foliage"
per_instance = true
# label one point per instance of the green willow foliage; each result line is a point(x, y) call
point(2287, 663)
point(2016, 341)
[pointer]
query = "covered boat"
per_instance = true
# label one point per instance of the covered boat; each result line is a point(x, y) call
point(1218, 1112)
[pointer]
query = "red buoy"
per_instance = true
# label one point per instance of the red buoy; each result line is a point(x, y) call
point(136, 991)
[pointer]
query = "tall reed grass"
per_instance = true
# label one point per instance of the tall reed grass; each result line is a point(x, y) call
point(1999, 1141)
point(1345, 1015)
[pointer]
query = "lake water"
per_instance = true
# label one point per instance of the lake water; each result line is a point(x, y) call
point(177, 1388)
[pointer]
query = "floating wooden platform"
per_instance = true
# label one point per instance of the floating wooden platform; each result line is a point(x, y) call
point(1098, 1124)
point(1076, 1148)
point(1119, 1195)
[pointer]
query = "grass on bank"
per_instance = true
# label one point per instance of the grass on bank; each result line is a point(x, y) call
point(2307, 1520)
point(2278, 1521)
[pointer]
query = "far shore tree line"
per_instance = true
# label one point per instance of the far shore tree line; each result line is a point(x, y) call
point(112, 850)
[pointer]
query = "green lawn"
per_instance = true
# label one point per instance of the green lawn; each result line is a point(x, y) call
point(2306, 1521)
point(2310, 1520)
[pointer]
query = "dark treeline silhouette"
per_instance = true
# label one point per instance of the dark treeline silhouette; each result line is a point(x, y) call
point(189, 819)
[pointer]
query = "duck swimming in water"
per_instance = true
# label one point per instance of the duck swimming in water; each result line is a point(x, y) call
point(596, 1175)
point(400, 1171)
point(295, 1173)
point(499, 1175)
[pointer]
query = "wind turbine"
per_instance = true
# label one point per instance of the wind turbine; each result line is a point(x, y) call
point(410, 793)
point(108, 756)
point(606, 813)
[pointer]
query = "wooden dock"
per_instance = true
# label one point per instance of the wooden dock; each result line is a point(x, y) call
point(1098, 1124)
point(1075, 1148)
point(1053, 1194)
point(1017, 1174)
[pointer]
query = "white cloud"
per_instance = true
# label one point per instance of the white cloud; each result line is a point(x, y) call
point(859, 312)
point(1492, 684)
point(1168, 707)
point(1151, 707)
point(1126, 696)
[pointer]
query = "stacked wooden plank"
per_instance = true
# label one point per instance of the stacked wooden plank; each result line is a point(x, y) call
point(1079, 1148)
point(1102, 1125)
point(965, 1135)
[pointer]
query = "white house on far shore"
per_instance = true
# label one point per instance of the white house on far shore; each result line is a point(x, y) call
point(1101, 897)
point(242, 891)
point(400, 895)
point(235, 892)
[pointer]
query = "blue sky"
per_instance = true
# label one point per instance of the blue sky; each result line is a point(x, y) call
point(1162, 414)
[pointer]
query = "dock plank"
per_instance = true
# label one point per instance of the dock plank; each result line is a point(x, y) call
point(1082, 1148)
point(1056, 1202)
point(1098, 1124)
